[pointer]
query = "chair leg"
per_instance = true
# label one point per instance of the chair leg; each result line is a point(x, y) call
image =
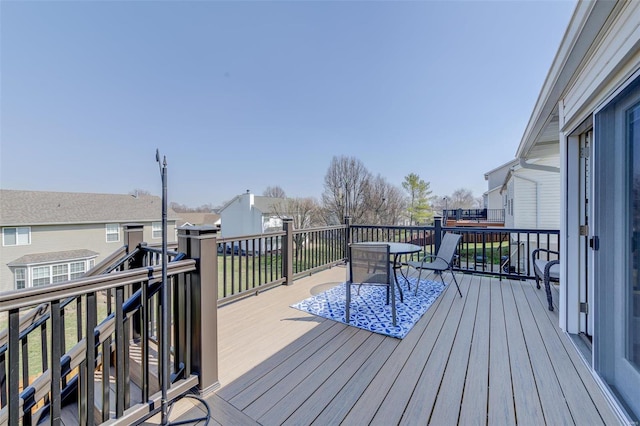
point(417, 281)
point(393, 303)
point(388, 288)
point(346, 310)
point(547, 288)
point(455, 281)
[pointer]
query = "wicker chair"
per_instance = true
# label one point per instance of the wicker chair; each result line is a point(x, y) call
point(547, 270)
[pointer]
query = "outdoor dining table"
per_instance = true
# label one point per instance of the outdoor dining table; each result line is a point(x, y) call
point(397, 250)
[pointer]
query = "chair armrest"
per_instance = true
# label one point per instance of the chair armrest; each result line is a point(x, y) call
point(535, 255)
point(548, 266)
point(431, 257)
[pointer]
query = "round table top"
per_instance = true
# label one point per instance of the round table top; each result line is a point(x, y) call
point(397, 248)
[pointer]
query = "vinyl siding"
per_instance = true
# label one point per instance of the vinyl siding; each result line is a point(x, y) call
point(537, 197)
point(55, 238)
point(495, 199)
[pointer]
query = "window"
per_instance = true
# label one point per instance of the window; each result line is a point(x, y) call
point(20, 276)
point(34, 276)
point(156, 229)
point(113, 232)
point(77, 270)
point(40, 275)
point(59, 273)
point(16, 236)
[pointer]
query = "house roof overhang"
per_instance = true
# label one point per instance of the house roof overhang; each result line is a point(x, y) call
point(541, 136)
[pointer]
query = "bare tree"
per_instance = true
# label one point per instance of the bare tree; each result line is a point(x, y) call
point(181, 208)
point(346, 186)
point(303, 211)
point(384, 202)
point(137, 192)
point(275, 192)
point(462, 198)
point(395, 207)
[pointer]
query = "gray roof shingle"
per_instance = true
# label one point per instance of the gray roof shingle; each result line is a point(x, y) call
point(47, 208)
point(58, 256)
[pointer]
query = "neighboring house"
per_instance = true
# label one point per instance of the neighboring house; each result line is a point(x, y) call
point(198, 219)
point(531, 194)
point(589, 111)
point(493, 198)
point(249, 214)
point(49, 237)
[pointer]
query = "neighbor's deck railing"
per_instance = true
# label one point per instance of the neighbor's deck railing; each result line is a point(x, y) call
point(48, 359)
point(480, 215)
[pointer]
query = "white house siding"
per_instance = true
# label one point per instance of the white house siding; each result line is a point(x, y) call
point(495, 200)
point(525, 201)
point(56, 238)
point(536, 196)
point(509, 220)
point(240, 218)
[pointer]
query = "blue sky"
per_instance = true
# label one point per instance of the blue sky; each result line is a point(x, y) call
point(245, 95)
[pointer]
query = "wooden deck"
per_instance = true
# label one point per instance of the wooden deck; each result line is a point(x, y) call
point(494, 356)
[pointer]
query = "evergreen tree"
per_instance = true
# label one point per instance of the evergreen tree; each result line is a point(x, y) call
point(419, 209)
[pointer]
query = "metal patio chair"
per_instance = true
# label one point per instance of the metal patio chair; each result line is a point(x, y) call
point(547, 270)
point(369, 265)
point(440, 262)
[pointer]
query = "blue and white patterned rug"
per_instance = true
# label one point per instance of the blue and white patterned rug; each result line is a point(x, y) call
point(368, 310)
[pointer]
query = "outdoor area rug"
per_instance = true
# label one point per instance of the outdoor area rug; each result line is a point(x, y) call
point(368, 310)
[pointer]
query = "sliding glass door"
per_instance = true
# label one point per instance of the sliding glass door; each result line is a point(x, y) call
point(617, 255)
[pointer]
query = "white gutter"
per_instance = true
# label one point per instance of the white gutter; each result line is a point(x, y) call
point(542, 168)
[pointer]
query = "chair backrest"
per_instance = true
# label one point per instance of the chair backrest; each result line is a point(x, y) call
point(448, 246)
point(369, 263)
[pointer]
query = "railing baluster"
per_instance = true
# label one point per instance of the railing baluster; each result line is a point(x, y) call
point(144, 340)
point(24, 344)
point(3, 380)
point(87, 368)
point(119, 364)
point(106, 385)
point(14, 362)
point(57, 342)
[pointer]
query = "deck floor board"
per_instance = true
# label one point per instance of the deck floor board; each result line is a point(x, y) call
point(495, 356)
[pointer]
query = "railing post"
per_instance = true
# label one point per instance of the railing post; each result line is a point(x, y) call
point(287, 250)
point(200, 243)
point(133, 237)
point(347, 237)
point(437, 222)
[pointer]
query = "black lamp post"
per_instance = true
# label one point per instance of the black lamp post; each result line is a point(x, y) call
point(164, 295)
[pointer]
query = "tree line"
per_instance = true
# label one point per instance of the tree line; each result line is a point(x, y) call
point(350, 189)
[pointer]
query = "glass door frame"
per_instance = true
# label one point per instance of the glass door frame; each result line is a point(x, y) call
point(611, 259)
